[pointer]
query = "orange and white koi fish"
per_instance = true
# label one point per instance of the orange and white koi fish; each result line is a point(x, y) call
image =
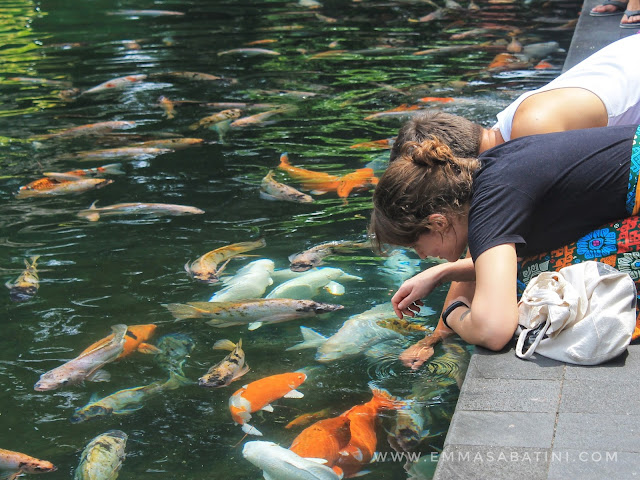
point(317, 182)
point(307, 418)
point(230, 368)
point(171, 143)
point(168, 106)
point(15, 464)
point(134, 340)
point(381, 144)
point(362, 425)
point(258, 395)
point(99, 128)
point(116, 83)
point(206, 268)
point(324, 439)
point(252, 312)
point(93, 213)
point(49, 186)
point(355, 180)
point(313, 256)
point(249, 51)
point(86, 366)
point(111, 169)
point(212, 120)
point(401, 110)
point(133, 153)
point(507, 61)
point(26, 285)
point(271, 189)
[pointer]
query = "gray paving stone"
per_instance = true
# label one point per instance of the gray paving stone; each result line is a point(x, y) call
point(492, 463)
point(617, 396)
point(509, 395)
point(594, 465)
point(618, 367)
point(598, 432)
point(487, 364)
point(501, 429)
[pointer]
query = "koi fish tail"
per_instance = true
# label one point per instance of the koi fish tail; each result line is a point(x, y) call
point(113, 169)
point(249, 430)
point(338, 471)
point(384, 400)
point(176, 381)
point(225, 344)
point(181, 311)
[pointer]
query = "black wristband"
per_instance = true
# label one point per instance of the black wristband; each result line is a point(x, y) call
point(451, 308)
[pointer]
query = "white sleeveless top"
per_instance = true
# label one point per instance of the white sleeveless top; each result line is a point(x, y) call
point(612, 73)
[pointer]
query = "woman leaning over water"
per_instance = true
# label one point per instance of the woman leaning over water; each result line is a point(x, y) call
point(534, 199)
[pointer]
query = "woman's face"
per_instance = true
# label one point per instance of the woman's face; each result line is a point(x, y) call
point(447, 242)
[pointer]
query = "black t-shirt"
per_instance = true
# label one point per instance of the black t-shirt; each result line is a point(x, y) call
point(544, 191)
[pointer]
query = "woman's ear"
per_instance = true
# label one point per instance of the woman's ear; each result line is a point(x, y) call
point(438, 222)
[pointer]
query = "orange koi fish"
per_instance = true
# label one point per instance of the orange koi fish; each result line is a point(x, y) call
point(437, 99)
point(401, 110)
point(134, 340)
point(381, 144)
point(355, 180)
point(168, 106)
point(16, 464)
point(307, 418)
point(49, 186)
point(543, 65)
point(111, 169)
point(317, 182)
point(120, 82)
point(506, 61)
point(259, 394)
point(324, 439)
point(362, 425)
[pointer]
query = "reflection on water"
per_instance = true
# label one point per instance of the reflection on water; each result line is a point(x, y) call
point(336, 64)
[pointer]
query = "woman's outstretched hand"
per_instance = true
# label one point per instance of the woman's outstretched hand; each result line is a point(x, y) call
point(416, 355)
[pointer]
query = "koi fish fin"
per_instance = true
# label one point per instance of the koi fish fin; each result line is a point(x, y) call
point(284, 160)
point(268, 408)
point(249, 430)
point(321, 461)
point(182, 311)
point(62, 176)
point(33, 260)
point(334, 288)
point(338, 471)
point(294, 394)
point(11, 476)
point(384, 399)
point(360, 473)
point(240, 372)
point(99, 376)
point(222, 267)
point(310, 339)
point(127, 410)
point(176, 381)
point(255, 325)
point(113, 169)
point(218, 324)
point(148, 348)
point(94, 398)
point(319, 192)
point(265, 196)
point(225, 344)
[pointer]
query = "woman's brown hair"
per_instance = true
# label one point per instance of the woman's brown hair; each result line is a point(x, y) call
point(425, 178)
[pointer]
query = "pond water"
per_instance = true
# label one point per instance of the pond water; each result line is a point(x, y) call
point(338, 62)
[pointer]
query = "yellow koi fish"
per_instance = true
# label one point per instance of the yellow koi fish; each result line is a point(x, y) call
point(211, 120)
point(168, 106)
point(206, 268)
point(102, 457)
point(26, 285)
point(230, 368)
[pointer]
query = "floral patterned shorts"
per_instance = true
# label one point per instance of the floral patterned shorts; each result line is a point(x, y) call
point(617, 243)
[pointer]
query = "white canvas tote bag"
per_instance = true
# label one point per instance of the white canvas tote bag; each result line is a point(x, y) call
point(584, 313)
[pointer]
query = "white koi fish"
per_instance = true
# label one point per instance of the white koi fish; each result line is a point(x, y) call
point(93, 213)
point(250, 281)
point(116, 83)
point(311, 282)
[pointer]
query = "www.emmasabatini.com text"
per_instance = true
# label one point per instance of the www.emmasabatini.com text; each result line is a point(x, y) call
point(494, 456)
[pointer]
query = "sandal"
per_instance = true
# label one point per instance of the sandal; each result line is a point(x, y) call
point(620, 7)
point(629, 14)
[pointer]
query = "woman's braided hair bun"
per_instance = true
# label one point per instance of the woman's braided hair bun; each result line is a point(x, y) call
point(430, 153)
